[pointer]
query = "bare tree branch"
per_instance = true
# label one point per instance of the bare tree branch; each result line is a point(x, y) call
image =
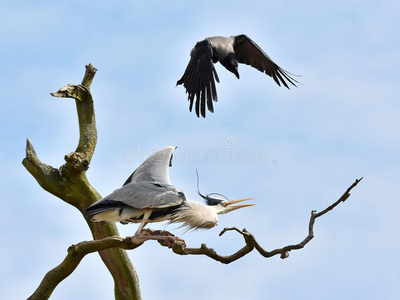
point(75, 254)
point(284, 252)
point(87, 123)
point(48, 177)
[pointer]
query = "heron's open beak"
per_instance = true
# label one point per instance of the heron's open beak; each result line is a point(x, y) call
point(233, 207)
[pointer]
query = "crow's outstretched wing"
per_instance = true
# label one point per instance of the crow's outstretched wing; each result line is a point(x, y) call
point(198, 79)
point(249, 53)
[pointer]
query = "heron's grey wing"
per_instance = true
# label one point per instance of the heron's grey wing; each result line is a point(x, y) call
point(154, 168)
point(139, 195)
point(147, 194)
point(249, 53)
point(198, 79)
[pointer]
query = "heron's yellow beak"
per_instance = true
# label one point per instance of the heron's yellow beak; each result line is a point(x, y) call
point(232, 207)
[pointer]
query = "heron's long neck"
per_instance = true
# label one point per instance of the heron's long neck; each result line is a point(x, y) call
point(196, 215)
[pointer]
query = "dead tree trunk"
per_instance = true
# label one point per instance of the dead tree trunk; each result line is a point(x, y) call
point(70, 184)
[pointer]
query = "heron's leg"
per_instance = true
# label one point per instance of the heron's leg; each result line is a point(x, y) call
point(144, 222)
point(138, 238)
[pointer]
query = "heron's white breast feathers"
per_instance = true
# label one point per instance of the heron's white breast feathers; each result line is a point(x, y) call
point(195, 215)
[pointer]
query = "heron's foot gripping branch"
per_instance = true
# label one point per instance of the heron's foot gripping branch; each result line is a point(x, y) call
point(165, 238)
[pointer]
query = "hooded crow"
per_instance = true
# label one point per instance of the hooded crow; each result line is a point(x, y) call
point(200, 74)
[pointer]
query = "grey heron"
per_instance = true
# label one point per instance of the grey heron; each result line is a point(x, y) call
point(147, 196)
point(200, 73)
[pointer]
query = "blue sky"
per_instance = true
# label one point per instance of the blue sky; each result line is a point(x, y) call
point(305, 146)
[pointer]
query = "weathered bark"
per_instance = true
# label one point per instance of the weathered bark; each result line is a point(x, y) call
point(69, 183)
